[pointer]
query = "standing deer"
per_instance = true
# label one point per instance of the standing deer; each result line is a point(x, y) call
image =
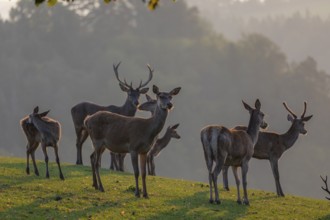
point(122, 134)
point(160, 144)
point(81, 110)
point(231, 147)
point(41, 129)
point(270, 146)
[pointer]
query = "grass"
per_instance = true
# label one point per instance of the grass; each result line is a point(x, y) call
point(30, 197)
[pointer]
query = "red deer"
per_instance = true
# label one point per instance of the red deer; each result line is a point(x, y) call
point(81, 110)
point(232, 148)
point(41, 129)
point(160, 144)
point(123, 134)
point(271, 146)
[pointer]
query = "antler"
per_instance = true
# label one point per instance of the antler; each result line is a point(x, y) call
point(150, 77)
point(115, 69)
point(326, 186)
point(289, 110)
point(303, 114)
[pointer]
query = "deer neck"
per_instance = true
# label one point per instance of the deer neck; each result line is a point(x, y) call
point(157, 121)
point(127, 109)
point(253, 130)
point(163, 142)
point(290, 137)
point(40, 125)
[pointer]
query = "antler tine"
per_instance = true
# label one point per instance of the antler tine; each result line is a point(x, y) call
point(115, 69)
point(326, 186)
point(289, 110)
point(149, 79)
point(305, 107)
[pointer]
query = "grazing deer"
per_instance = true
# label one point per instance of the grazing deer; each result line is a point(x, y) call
point(41, 129)
point(231, 147)
point(81, 110)
point(270, 146)
point(326, 189)
point(122, 134)
point(160, 144)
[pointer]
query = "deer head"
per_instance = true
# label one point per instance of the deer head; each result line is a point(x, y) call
point(164, 98)
point(173, 132)
point(133, 94)
point(256, 113)
point(298, 123)
point(35, 114)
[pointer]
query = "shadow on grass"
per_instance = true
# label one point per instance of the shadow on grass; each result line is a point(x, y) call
point(198, 207)
point(326, 217)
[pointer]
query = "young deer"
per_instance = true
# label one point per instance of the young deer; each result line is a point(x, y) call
point(270, 146)
point(231, 147)
point(81, 110)
point(41, 129)
point(122, 134)
point(160, 144)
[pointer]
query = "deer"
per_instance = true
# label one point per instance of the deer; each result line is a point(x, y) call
point(271, 146)
point(124, 134)
point(232, 148)
point(159, 145)
point(38, 128)
point(129, 108)
point(326, 189)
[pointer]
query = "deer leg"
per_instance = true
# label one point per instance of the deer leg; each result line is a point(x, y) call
point(44, 150)
point(209, 165)
point(81, 138)
point(33, 150)
point(134, 158)
point(234, 168)
point(274, 166)
point(121, 158)
point(217, 169)
point(92, 157)
point(58, 161)
point(225, 177)
point(97, 164)
point(143, 163)
point(28, 151)
point(245, 168)
point(152, 164)
point(113, 162)
point(148, 164)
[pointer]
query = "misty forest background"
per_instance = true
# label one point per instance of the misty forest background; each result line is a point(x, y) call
point(56, 58)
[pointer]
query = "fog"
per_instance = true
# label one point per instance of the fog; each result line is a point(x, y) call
point(54, 58)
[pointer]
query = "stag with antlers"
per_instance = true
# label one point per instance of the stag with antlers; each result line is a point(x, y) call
point(81, 110)
point(271, 146)
point(231, 147)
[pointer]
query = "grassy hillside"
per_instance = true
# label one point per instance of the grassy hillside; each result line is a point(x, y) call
point(31, 197)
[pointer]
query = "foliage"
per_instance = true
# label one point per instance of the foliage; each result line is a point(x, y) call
point(32, 197)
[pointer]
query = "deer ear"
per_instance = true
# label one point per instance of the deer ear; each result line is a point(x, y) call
point(36, 110)
point(175, 126)
point(144, 90)
point(307, 118)
point(155, 89)
point(123, 88)
point(44, 113)
point(290, 118)
point(175, 91)
point(257, 104)
point(246, 106)
point(148, 98)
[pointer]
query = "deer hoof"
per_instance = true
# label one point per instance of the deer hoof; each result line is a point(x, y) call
point(239, 202)
point(47, 176)
point(62, 177)
point(36, 173)
point(28, 171)
point(211, 201)
point(137, 195)
point(146, 196)
point(246, 202)
point(226, 188)
point(218, 202)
